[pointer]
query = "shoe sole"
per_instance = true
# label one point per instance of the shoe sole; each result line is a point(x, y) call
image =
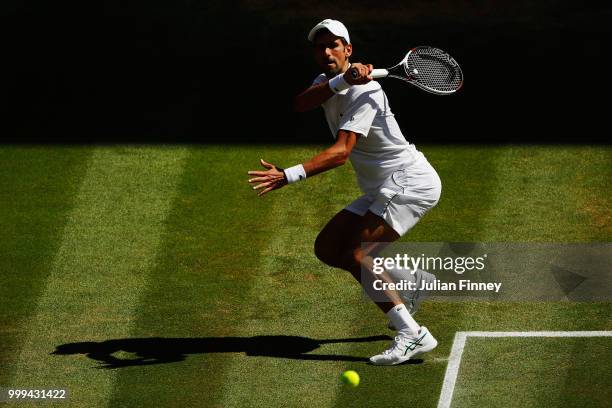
point(415, 354)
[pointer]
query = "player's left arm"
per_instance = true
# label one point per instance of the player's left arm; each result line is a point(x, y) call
point(336, 155)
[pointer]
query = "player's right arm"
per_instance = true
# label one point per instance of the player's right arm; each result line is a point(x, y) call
point(317, 94)
point(312, 97)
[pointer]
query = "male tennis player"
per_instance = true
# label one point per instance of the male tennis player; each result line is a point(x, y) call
point(398, 183)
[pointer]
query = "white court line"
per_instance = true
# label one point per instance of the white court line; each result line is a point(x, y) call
point(454, 360)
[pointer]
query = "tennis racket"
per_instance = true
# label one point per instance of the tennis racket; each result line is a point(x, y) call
point(428, 68)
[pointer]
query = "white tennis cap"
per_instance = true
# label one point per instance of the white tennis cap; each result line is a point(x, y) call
point(334, 26)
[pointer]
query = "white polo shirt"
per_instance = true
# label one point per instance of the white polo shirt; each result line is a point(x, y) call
point(381, 149)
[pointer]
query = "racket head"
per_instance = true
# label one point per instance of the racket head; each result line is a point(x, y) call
point(430, 69)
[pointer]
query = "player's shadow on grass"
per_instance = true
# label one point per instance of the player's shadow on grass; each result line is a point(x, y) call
point(160, 350)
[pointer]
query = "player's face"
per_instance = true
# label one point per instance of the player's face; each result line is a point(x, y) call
point(330, 54)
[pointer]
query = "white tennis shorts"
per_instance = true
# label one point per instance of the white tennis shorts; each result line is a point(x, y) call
point(404, 197)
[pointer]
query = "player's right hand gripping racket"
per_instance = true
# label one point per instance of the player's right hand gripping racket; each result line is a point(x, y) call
point(428, 68)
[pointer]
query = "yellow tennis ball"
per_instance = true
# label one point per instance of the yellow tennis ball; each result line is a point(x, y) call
point(350, 377)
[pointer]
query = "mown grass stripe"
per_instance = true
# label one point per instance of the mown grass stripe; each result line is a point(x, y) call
point(108, 247)
point(197, 291)
point(551, 194)
point(293, 294)
point(37, 188)
point(470, 177)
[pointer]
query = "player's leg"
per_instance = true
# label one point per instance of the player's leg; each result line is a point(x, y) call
point(342, 231)
point(411, 340)
point(339, 234)
point(339, 244)
point(369, 236)
point(379, 221)
point(334, 237)
point(402, 202)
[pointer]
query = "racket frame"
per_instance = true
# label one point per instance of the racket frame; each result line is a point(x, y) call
point(407, 76)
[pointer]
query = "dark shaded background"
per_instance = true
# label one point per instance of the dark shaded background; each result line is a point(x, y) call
point(223, 72)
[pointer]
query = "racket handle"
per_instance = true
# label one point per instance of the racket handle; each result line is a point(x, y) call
point(376, 73)
point(379, 73)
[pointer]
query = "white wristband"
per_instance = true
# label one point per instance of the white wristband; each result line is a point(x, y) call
point(295, 173)
point(338, 84)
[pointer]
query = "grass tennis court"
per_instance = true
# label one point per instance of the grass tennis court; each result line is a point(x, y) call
point(165, 251)
point(522, 372)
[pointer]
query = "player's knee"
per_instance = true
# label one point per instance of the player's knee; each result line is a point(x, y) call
point(351, 259)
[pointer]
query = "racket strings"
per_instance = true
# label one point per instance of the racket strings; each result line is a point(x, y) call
point(434, 69)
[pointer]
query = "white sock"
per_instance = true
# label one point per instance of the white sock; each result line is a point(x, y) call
point(402, 320)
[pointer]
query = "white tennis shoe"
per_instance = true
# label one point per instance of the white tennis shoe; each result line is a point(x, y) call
point(405, 347)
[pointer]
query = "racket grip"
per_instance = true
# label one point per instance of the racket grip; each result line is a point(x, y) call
point(379, 73)
point(376, 73)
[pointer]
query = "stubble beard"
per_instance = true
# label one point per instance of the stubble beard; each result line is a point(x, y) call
point(332, 72)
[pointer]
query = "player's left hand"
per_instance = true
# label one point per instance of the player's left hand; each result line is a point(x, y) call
point(271, 179)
